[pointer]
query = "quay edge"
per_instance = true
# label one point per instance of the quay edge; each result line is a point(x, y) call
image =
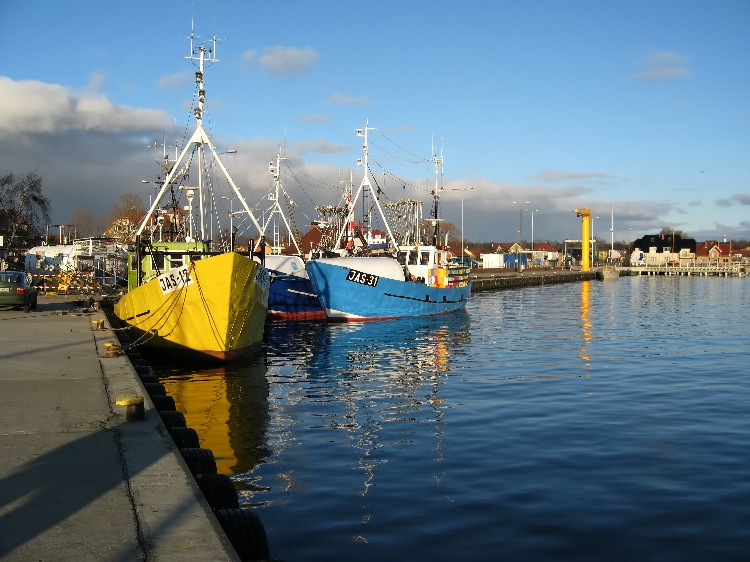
point(491, 281)
point(80, 480)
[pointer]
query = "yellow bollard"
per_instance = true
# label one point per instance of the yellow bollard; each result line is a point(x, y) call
point(112, 349)
point(133, 407)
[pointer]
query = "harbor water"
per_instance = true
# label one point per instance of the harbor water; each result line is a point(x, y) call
point(583, 421)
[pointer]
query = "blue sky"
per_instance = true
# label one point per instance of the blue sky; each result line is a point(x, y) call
point(643, 105)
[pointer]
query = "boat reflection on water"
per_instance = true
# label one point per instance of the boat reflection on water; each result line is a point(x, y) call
point(363, 387)
point(357, 392)
point(411, 346)
point(227, 406)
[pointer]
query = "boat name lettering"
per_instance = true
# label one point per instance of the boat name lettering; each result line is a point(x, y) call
point(175, 279)
point(363, 278)
point(263, 278)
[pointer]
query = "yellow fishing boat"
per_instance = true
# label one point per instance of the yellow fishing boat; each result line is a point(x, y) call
point(187, 291)
point(214, 307)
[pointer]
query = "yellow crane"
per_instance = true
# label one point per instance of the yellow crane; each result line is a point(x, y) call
point(585, 215)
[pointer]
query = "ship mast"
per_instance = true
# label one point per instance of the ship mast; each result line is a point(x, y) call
point(275, 169)
point(198, 141)
point(436, 197)
point(365, 183)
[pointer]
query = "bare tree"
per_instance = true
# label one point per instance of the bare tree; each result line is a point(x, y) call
point(443, 227)
point(23, 198)
point(86, 224)
point(125, 217)
point(129, 205)
point(670, 231)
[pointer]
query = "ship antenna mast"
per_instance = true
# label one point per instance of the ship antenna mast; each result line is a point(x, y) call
point(200, 139)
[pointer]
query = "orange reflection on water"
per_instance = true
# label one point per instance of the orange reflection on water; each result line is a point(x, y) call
point(586, 335)
point(228, 409)
point(202, 398)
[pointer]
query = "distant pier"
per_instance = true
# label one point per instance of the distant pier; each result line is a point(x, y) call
point(496, 279)
point(691, 270)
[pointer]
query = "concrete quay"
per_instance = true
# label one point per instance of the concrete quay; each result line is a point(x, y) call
point(495, 279)
point(78, 481)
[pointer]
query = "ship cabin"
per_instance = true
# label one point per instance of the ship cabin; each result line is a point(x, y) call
point(161, 257)
point(431, 265)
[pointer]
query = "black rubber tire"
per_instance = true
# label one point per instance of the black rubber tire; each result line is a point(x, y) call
point(26, 308)
point(136, 359)
point(246, 533)
point(184, 437)
point(147, 379)
point(164, 403)
point(173, 419)
point(155, 389)
point(219, 490)
point(145, 370)
point(199, 461)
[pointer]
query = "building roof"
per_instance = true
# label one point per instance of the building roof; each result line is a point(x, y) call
point(545, 247)
point(704, 248)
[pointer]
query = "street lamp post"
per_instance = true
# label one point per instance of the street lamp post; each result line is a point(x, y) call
point(228, 151)
point(231, 223)
point(593, 242)
point(463, 250)
point(190, 195)
point(520, 229)
point(532, 234)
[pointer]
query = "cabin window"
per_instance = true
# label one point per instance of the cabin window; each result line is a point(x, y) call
point(194, 257)
point(133, 262)
point(175, 262)
point(157, 261)
point(424, 258)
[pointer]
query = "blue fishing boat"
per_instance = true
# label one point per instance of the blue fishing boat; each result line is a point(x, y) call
point(366, 288)
point(416, 279)
point(291, 296)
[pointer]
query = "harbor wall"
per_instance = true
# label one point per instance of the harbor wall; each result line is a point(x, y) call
point(496, 281)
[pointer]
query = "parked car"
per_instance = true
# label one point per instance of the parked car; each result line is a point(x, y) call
point(16, 291)
point(464, 261)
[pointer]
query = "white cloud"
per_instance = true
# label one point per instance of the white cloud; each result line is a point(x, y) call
point(320, 147)
point(287, 61)
point(554, 176)
point(315, 118)
point(341, 99)
point(35, 107)
point(663, 66)
point(175, 81)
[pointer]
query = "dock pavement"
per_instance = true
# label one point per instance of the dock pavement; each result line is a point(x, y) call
point(78, 481)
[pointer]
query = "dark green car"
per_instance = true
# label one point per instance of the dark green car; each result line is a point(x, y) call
point(16, 291)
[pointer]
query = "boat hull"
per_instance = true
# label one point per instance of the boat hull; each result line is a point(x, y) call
point(348, 294)
point(214, 308)
point(293, 298)
point(608, 273)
